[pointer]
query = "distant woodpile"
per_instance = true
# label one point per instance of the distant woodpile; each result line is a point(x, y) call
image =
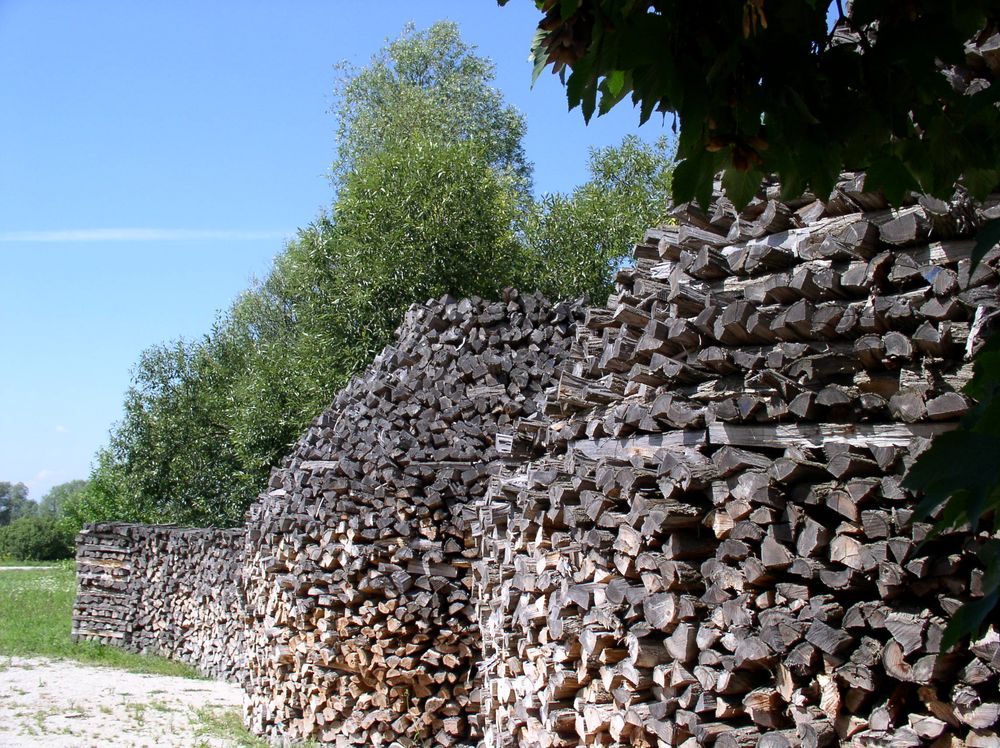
point(674, 520)
point(163, 590)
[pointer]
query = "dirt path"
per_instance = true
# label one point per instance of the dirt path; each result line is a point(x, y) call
point(62, 703)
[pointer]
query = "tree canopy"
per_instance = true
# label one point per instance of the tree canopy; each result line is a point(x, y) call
point(433, 85)
point(792, 87)
point(577, 239)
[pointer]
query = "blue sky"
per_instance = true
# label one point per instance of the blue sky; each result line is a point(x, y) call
point(154, 157)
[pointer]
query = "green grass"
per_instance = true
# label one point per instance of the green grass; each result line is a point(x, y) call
point(36, 609)
point(227, 725)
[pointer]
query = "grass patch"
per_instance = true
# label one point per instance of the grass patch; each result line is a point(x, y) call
point(224, 724)
point(36, 612)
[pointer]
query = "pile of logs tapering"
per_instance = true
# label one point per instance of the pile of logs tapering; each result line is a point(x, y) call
point(712, 546)
point(358, 577)
point(163, 590)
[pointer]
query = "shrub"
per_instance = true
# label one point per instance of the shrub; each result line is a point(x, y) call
point(41, 538)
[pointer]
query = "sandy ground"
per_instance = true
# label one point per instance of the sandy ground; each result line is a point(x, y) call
point(62, 703)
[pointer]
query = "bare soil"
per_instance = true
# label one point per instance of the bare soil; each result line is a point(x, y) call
point(47, 702)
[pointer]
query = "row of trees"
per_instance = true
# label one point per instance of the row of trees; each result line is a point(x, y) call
point(433, 196)
point(41, 531)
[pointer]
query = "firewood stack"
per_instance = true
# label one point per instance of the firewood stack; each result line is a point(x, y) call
point(163, 590)
point(101, 610)
point(358, 575)
point(712, 546)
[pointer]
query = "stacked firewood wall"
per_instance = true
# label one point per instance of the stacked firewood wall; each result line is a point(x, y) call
point(102, 609)
point(712, 545)
point(163, 590)
point(359, 556)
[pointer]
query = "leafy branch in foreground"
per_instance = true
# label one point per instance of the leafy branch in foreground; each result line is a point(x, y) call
point(770, 88)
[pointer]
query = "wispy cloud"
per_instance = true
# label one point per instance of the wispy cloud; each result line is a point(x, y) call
point(60, 429)
point(140, 235)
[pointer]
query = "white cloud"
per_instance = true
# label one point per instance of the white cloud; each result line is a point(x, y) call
point(60, 429)
point(139, 235)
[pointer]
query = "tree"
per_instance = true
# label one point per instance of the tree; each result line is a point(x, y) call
point(419, 219)
point(432, 83)
point(170, 458)
point(771, 88)
point(576, 241)
point(36, 538)
point(14, 502)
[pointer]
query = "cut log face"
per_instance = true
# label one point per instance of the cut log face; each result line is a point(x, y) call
point(674, 520)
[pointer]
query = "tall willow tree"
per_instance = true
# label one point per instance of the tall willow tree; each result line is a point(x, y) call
point(431, 85)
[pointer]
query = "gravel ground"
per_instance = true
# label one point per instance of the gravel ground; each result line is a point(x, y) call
point(62, 703)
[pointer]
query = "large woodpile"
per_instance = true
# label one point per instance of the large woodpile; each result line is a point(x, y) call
point(358, 576)
point(675, 520)
point(712, 546)
point(163, 590)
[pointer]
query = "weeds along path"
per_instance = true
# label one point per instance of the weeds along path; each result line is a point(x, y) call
point(45, 702)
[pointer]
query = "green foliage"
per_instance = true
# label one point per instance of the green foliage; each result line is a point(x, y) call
point(63, 503)
point(767, 88)
point(576, 241)
point(14, 502)
point(59, 498)
point(433, 84)
point(416, 220)
point(172, 457)
point(173, 440)
point(36, 538)
point(108, 495)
